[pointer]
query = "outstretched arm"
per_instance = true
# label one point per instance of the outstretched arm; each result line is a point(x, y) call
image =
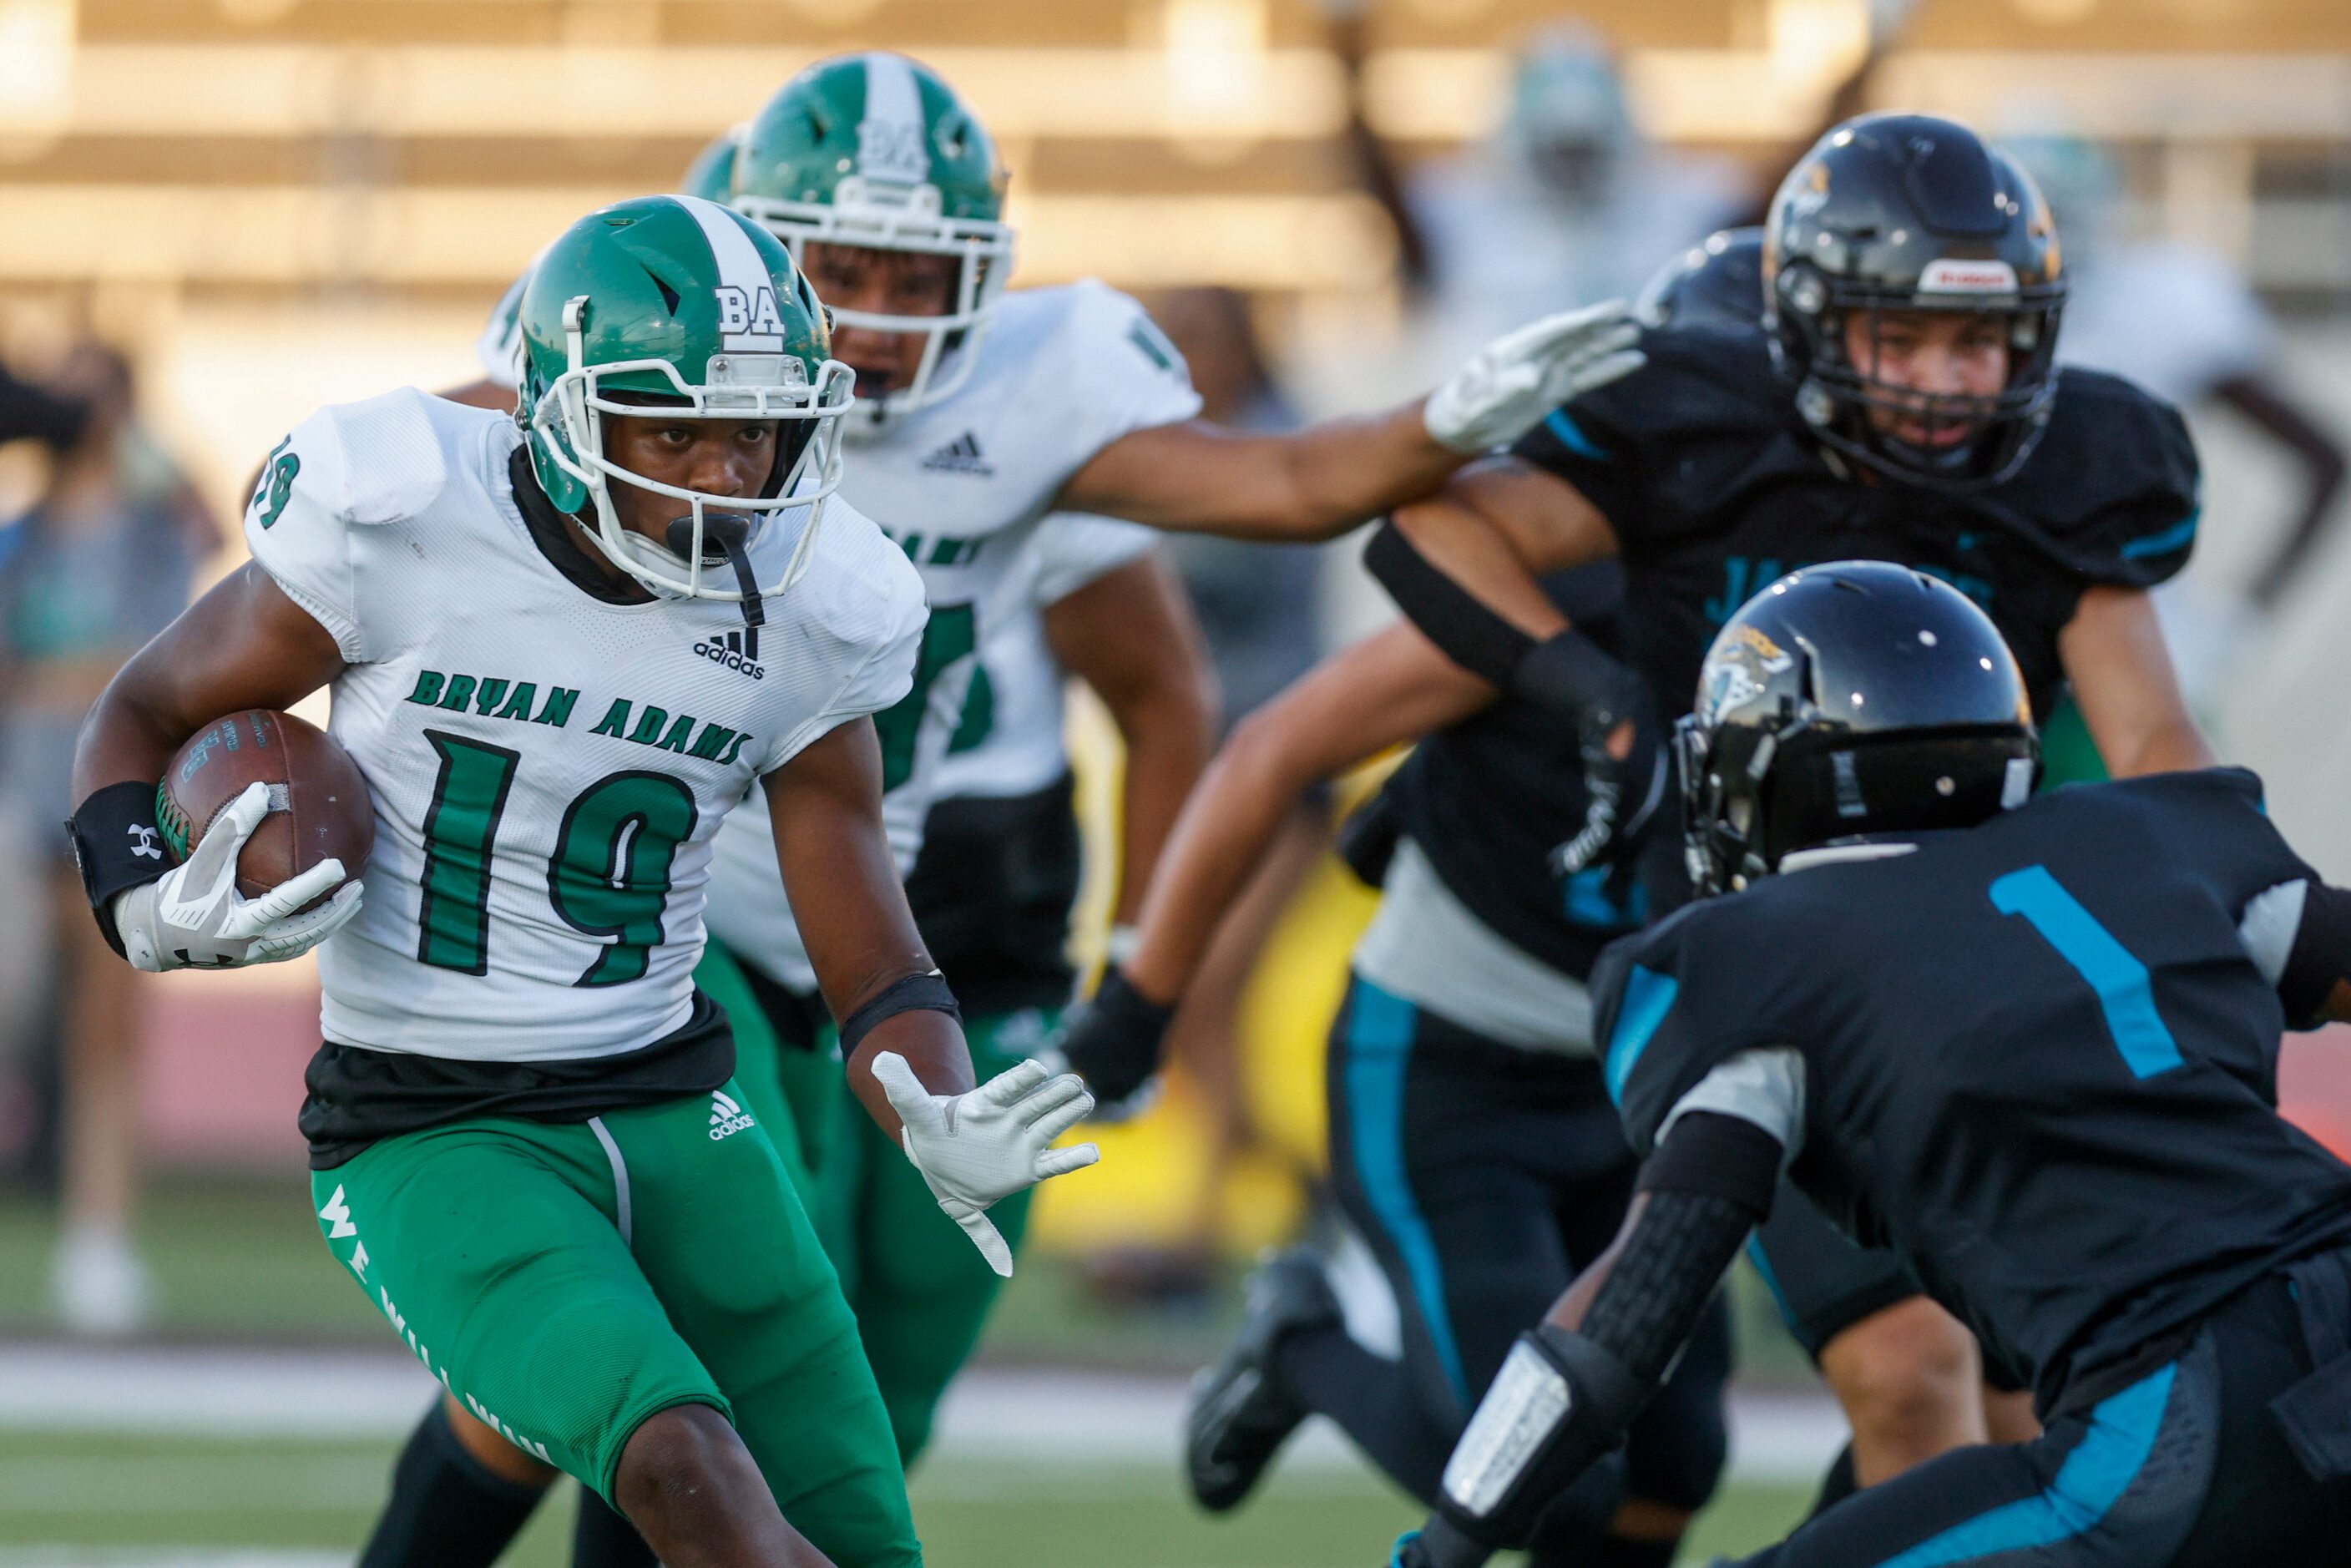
point(1495, 531)
point(1320, 482)
point(1391, 687)
point(1314, 484)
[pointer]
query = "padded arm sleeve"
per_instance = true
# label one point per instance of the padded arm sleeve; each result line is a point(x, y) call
point(1563, 1399)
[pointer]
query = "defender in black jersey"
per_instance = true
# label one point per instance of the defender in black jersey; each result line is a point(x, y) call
point(1473, 1147)
point(1893, 397)
point(2029, 1043)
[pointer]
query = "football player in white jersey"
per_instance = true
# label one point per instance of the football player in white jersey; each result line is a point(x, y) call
point(986, 410)
point(523, 1110)
point(981, 412)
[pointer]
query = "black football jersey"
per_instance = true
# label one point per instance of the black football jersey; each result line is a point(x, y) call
point(2038, 1062)
point(1490, 798)
point(1714, 489)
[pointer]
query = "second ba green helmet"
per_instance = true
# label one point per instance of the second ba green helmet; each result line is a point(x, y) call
point(876, 151)
point(687, 306)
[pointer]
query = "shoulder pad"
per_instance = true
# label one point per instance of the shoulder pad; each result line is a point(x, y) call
point(384, 460)
point(2114, 480)
point(1104, 327)
point(859, 589)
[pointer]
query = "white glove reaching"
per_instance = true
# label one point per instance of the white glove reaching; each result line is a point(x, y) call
point(975, 1148)
point(194, 919)
point(1511, 383)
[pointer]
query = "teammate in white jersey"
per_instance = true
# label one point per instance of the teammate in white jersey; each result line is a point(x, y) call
point(988, 410)
point(523, 1108)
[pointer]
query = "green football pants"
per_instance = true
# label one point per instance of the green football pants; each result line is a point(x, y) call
point(567, 1282)
point(920, 1288)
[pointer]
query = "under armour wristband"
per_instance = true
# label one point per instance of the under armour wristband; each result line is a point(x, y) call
point(118, 846)
point(913, 993)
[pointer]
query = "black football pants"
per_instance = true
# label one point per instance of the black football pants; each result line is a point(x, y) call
point(1483, 1176)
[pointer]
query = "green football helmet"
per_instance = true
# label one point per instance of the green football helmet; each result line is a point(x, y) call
point(711, 176)
point(686, 304)
point(876, 151)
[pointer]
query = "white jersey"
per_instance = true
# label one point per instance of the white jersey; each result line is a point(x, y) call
point(964, 487)
point(548, 769)
point(990, 725)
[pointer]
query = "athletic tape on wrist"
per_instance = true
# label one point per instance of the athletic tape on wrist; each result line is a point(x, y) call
point(117, 846)
point(913, 993)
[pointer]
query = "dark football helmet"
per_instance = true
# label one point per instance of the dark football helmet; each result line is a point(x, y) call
point(1719, 279)
point(1902, 212)
point(1853, 698)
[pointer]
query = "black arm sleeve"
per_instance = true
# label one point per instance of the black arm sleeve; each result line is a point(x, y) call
point(1449, 615)
point(1568, 675)
point(2321, 958)
point(1709, 1184)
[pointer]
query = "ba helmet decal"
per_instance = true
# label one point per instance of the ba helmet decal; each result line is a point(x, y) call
point(748, 318)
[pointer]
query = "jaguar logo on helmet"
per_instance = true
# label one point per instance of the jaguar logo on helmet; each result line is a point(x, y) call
point(1908, 715)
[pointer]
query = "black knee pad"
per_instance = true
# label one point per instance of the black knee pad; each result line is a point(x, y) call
point(1675, 1452)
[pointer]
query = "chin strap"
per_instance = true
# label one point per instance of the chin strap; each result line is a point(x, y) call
point(731, 532)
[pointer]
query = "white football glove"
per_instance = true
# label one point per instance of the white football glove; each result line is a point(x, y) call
point(974, 1149)
point(1513, 382)
point(193, 917)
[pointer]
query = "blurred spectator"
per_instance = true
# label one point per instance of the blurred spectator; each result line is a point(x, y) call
point(28, 412)
point(2183, 322)
point(102, 562)
point(1257, 606)
point(1566, 204)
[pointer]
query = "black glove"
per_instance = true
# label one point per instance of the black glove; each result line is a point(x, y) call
point(1573, 677)
point(1368, 838)
point(1114, 1043)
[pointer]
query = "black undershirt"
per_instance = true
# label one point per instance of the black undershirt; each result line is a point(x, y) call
point(357, 1096)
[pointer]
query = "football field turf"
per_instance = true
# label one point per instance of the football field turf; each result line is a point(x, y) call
point(77, 1499)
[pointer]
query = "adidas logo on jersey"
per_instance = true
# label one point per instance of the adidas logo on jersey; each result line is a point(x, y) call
point(961, 455)
point(726, 1118)
point(737, 651)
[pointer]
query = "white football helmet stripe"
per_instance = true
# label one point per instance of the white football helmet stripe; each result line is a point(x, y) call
point(890, 138)
point(740, 266)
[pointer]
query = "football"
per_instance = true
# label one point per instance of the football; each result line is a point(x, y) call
point(318, 803)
